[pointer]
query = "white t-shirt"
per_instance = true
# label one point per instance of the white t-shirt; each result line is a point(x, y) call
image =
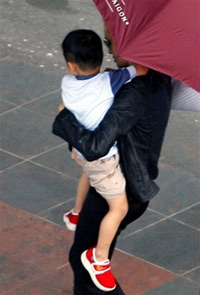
point(90, 97)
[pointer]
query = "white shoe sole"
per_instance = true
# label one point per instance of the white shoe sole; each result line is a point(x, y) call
point(87, 266)
point(69, 225)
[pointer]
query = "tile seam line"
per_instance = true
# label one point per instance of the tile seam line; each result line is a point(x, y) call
point(11, 154)
point(8, 102)
point(62, 266)
point(35, 216)
point(188, 225)
point(25, 283)
point(32, 280)
point(146, 261)
point(144, 228)
point(13, 166)
point(184, 172)
point(44, 219)
point(154, 211)
point(178, 212)
point(47, 151)
point(34, 156)
point(39, 165)
point(29, 102)
point(160, 267)
point(55, 206)
point(195, 268)
point(161, 220)
point(164, 157)
point(51, 169)
point(24, 160)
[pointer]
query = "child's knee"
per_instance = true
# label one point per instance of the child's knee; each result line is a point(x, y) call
point(123, 209)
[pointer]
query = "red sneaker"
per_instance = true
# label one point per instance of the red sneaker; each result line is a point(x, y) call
point(100, 272)
point(71, 219)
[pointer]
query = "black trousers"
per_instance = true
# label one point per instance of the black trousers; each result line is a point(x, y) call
point(86, 235)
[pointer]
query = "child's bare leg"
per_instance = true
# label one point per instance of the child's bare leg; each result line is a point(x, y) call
point(81, 193)
point(118, 209)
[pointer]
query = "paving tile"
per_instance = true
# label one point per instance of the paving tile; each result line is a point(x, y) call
point(59, 282)
point(177, 286)
point(168, 244)
point(3, 53)
point(6, 106)
point(194, 275)
point(7, 160)
point(46, 105)
point(21, 82)
point(137, 276)
point(178, 190)
point(185, 159)
point(25, 133)
point(55, 214)
point(30, 248)
point(60, 160)
point(183, 130)
point(190, 216)
point(16, 273)
point(145, 220)
point(34, 188)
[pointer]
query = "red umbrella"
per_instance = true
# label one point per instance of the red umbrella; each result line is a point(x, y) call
point(160, 34)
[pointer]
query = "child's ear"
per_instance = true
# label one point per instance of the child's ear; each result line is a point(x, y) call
point(72, 67)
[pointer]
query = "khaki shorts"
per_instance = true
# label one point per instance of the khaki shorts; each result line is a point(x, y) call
point(106, 176)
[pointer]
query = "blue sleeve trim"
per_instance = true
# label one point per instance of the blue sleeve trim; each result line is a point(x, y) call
point(118, 78)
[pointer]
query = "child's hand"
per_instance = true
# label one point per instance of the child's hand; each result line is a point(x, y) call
point(108, 69)
point(61, 107)
point(141, 70)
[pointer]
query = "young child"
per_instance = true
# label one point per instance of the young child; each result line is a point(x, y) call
point(88, 94)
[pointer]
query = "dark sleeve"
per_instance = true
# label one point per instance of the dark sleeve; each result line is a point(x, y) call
point(128, 107)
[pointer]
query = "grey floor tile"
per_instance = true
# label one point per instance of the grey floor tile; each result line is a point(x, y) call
point(34, 188)
point(7, 160)
point(25, 133)
point(168, 244)
point(178, 286)
point(3, 53)
point(194, 275)
point(46, 105)
point(55, 214)
point(190, 216)
point(178, 190)
point(59, 159)
point(145, 220)
point(183, 129)
point(6, 106)
point(185, 159)
point(21, 82)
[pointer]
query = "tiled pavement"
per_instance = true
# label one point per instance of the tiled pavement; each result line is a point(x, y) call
point(160, 253)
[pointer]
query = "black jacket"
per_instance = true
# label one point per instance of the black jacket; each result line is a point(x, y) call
point(137, 120)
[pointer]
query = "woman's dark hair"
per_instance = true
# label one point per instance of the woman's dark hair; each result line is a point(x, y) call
point(83, 47)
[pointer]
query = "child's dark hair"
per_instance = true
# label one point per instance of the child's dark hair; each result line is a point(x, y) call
point(83, 47)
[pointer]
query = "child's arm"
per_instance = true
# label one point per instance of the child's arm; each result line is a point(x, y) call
point(121, 76)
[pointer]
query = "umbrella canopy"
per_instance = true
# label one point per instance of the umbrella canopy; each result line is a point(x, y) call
point(161, 34)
